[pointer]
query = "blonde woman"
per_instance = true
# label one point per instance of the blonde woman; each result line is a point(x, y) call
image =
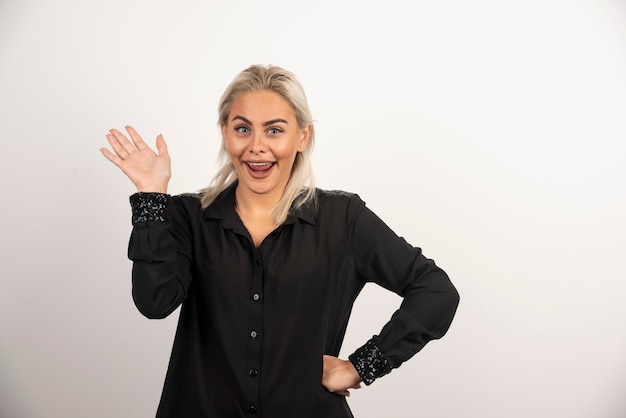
point(267, 267)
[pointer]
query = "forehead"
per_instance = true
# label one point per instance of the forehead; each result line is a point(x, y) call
point(260, 106)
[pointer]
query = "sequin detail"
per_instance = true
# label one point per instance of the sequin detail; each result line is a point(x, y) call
point(369, 362)
point(150, 207)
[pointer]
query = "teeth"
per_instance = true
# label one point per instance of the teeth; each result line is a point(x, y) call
point(260, 167)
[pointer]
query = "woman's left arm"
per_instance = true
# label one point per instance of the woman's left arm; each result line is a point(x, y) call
point(429, 298)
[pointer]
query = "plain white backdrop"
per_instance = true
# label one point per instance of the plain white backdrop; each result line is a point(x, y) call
point(489, 133)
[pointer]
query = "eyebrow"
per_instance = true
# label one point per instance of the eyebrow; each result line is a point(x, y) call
point(268, 123)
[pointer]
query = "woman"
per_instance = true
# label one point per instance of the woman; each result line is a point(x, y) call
point(267, 267)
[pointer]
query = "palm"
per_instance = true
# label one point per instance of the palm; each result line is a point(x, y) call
point(149, 171)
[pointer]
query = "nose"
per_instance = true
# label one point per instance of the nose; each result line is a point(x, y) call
point(258, 143)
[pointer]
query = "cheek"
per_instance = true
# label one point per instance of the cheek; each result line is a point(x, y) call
point(287, 150)
point(233, 148)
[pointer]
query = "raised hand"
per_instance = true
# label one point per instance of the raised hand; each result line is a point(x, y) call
point(339, 376)
point(149, 171)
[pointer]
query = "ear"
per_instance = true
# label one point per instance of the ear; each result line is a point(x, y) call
point(306, 135)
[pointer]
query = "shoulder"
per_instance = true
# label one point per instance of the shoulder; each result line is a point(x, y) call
point(187, 202)
point(339, 201)
point(336, 196)
point(188, 196)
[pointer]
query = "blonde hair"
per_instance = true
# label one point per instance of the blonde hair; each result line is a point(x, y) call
point(301, 186)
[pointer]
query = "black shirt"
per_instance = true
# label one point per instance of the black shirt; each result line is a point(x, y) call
point(255, 322)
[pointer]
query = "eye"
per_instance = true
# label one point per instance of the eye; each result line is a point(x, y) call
point(242, 129)
point(274, 131)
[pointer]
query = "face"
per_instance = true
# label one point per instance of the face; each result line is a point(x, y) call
point(262, 138)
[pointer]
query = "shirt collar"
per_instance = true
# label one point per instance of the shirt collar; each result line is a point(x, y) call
point(223, 207)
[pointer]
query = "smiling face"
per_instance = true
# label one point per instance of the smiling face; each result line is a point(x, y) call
point(262, 137)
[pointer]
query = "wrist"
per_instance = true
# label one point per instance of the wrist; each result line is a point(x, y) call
point(152, 188)
point(353, 372)
point(369, 362)
point(150, 207)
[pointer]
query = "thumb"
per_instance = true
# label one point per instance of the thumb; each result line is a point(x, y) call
point(161, 146)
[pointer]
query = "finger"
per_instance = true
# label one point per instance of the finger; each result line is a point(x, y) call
point(117, 146)
point(136, 138)
point(123, 141)
point(162, 146)
point(111, 157)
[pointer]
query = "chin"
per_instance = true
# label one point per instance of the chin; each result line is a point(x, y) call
point(256, 186)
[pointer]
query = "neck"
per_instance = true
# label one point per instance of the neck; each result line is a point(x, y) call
point(254, 205)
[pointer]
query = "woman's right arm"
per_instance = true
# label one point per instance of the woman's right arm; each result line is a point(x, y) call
point(160, 248)
point(160, 241)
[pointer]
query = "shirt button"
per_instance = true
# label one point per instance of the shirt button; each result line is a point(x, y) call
point(258, 261)
point(253, 372)
point(254, 334)
point(256, 296)
point(253, 409)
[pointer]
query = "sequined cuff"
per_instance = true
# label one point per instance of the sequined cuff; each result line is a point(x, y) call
point(369, 362)
point(148, 207)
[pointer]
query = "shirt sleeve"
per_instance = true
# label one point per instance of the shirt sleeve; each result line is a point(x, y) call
point(429, 298)
point(160, 248)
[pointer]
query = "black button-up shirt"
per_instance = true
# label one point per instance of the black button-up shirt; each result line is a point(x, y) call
point(255, 322)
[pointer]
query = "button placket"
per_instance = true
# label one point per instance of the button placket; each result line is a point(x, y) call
point(255, 324)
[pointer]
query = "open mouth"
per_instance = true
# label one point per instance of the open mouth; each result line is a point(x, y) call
point(260, 167)
point(260, 170)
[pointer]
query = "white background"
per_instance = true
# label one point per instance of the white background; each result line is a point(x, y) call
point(489, 133)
